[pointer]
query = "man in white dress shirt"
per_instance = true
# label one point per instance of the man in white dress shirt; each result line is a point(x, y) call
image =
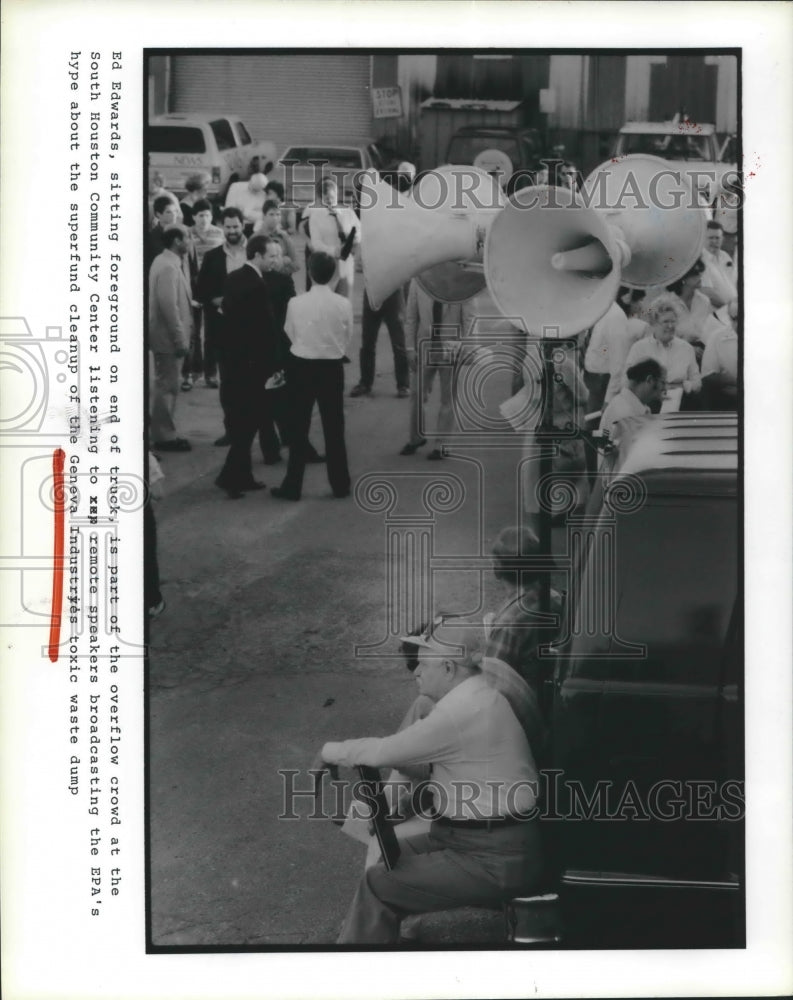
point(598, 366)
point(481, 848)
point(436, 321)
point(719, 273)
point(645, 384)
point(249, 197)
point(319, 326)
point(333, 229)
point(720, 365)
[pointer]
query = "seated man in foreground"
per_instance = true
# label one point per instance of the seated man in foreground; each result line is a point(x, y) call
point(480, 849)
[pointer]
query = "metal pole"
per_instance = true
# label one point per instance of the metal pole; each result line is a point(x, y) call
point(546, 467)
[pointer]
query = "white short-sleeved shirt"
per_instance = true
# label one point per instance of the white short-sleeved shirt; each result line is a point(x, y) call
point(319, 324)
point(323, 233)
point(677, 358)
point(721, 354)
point(625, 404)
point(611, 327)
point(719, 274)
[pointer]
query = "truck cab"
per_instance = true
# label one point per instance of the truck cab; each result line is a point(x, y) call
point(215, 143)
point(514, 155)
point(693, 147)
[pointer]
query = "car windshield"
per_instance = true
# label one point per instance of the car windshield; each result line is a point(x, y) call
point(669, 147)
point(175, 139)
point(465, 148)
point(244, 134)
point(224, 137)
point(350, 158)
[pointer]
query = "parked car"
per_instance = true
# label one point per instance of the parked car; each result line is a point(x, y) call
point(300, 167)
point(691, 146)
point(647, 693)
point(515, 154)
point(218, 144)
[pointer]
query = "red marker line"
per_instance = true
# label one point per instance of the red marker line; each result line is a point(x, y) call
point(58, 566)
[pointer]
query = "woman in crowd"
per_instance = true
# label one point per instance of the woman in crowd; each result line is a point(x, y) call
point(270, 226)
point(696, 320)
point(275, 192)
point(196, 188)
point(671, 351)
point(205, 234)
point(157, 189)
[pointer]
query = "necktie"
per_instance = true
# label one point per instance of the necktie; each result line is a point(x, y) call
point(335, 216)
point(437, 318)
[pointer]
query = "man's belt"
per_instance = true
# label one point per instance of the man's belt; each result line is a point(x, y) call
point(481, 824)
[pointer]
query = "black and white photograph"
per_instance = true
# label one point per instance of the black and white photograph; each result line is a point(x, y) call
point(396, 486)
point(499, 562)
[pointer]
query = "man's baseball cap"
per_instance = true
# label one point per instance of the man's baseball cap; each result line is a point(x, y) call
point(453, 639)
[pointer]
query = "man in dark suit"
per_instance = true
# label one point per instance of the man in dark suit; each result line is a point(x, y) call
point(279, 288)
point(251, 356)
point(217, 264)
point(166, 213)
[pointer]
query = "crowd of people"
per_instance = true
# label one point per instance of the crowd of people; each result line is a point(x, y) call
point(689, 328)
point(223, 307)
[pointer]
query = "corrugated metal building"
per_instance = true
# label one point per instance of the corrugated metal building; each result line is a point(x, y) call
point(286, 98)
point(581, 100)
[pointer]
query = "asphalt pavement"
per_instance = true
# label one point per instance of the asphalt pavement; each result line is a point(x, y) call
point(253, 664)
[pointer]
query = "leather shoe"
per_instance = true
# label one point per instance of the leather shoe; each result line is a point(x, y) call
point(223, 441)
point(403, 392)
point(341, 494)
point(254, 485)
point(232, 492)
point(435, 455)
point(282, 494)
point(174, 444)
point(413, 446)
point(361, 390)
point(315, 459)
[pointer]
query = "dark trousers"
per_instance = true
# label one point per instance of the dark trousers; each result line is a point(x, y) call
point(597, 385)
point(213, 339)
point(151, 567)
point(320, 382)
point(274, 429)
point(195, 361)
point(442, 870)
point(210, 360)
point(248, 402)
point(392, 313)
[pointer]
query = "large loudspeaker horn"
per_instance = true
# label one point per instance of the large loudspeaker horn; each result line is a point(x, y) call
point(402, 237)
point(658, 212)
point(470, 187)
point(556, 259)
